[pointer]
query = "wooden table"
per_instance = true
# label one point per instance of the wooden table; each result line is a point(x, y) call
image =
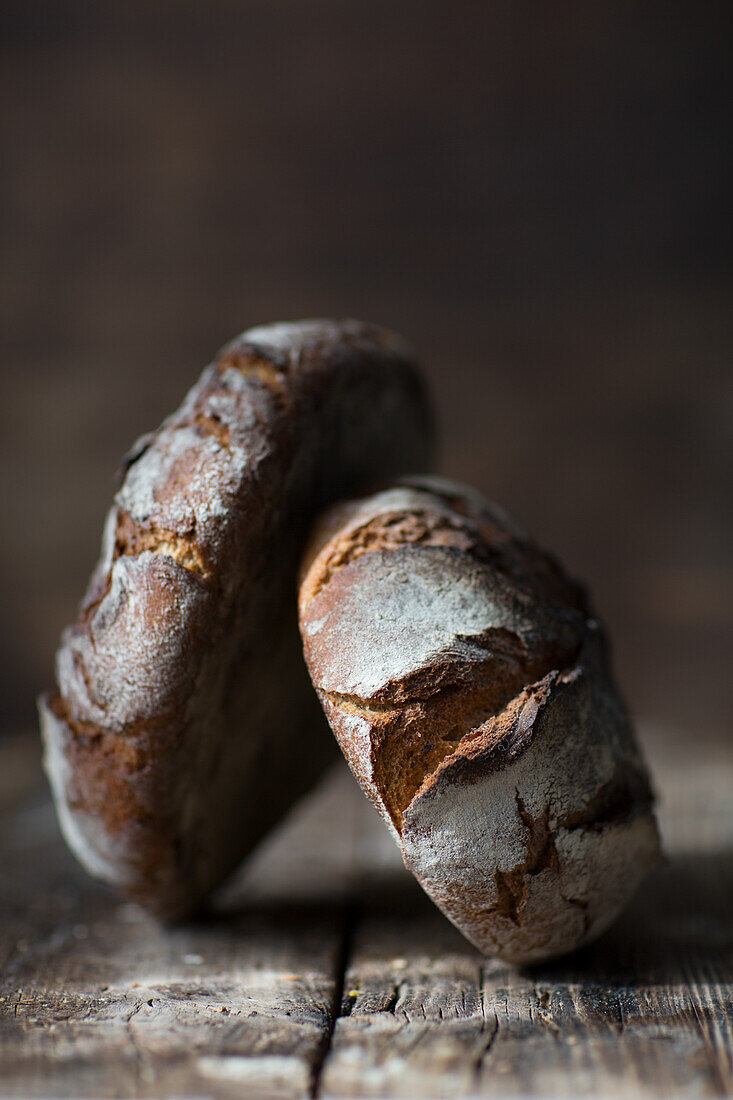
point(327, 972)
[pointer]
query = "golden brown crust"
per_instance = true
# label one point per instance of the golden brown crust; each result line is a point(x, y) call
point(385, 532)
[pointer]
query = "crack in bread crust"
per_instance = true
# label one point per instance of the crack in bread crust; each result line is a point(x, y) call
point(387, 532)
point(512, 887)
point(412, 738)
point(253, 365)
point(210, 424)
point(132, 539)
point(103, 764)
point(625, 795)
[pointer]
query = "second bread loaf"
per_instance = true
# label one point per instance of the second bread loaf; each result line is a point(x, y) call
point(469, 688)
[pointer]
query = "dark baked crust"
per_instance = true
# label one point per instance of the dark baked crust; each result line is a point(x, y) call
point(468, 686)
point(184, 724)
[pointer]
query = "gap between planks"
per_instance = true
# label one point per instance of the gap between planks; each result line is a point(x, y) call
point(338, 1002)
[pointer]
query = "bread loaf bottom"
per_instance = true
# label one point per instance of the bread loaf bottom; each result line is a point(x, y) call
point(469, 688)
point(184, 724)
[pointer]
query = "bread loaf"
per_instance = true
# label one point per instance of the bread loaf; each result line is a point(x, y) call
point(184, 724)
point(468, 686)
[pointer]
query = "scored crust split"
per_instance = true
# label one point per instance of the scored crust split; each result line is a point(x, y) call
point(185, 724)
point(469, 689)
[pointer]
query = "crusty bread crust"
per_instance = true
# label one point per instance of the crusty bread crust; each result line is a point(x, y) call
point(184, 724)
point(468, 686)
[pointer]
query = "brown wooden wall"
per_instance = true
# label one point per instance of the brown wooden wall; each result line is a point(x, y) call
point(537, 195)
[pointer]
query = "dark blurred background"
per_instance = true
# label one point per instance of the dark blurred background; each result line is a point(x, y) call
point(537, 195)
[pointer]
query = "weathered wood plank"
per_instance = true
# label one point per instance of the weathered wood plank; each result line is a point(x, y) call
point(635, 1014)
point(100, 1001)
point(647, 1011)
point(413, 1020)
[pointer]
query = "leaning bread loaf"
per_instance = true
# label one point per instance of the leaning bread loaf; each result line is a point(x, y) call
point(469, 689)
point(184, 724)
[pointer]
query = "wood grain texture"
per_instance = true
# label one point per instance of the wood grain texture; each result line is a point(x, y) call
point(647, 1012)
point(326, 971)
point(99, 1000)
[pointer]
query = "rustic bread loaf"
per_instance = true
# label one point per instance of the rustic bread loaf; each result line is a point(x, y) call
point(185, 724)
point(470, 692)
